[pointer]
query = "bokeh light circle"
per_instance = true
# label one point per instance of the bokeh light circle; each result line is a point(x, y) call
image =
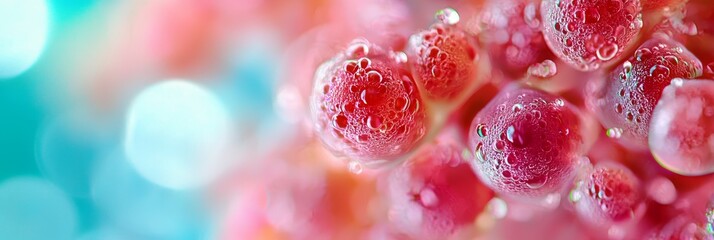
point(67, 149)
point(139, 207)
point(24, 26)
point(32, 208)
point(176, 134)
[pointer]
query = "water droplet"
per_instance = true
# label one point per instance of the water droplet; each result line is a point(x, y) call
point(710, 68)
point(339, 121)
point(637, 23)
point(614, 133)
point(348, 108)
point(537, 182)
point(514, 136)
point(443, 56)
point(355, 167)
point(615, 5)
point(432, 52)
point(401, 103)
point(677, 82)
point(547, 146)
point(551, 201)
point(415, 107)
point(618, 108)
point(479, 153)
point(671, 59)
point(447, 16)
point(499, 145)
point(351, 66)
point(506, 174)
point(627, 66)
point(602, 194)
point(517, 107)
point(559, 102)
point(642, 53)
point(428, 198)
point(400, 57)
point(529, 14)
point(592, 15)
point(575, 196)
point(511, 159)
point(363, 138)
point(374, 76)
point(659, 71)
point(481, 130)
point(607, 52)
point(358, 48)
point(662, 191)
point(364, 63)
point(568, 42)
point(543, 69)
point(536, 114)
point(436, 72)
point(498, 207)
point(374, 122)
point(570, 26)
point(579, 15)
point(372, 95)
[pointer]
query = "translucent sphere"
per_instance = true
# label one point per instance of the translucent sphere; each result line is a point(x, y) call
point(34, 208)
point(682, 130)
point(24, 25)
point(175, 134)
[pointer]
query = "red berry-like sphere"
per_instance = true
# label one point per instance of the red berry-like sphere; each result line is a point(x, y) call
point(527, 142)
point(588, 34)
point(512, 32)
point(681, 136)
point(610, 194)
point(436, 193)
point(630, 92)
point(443, 60)
point(366, 105)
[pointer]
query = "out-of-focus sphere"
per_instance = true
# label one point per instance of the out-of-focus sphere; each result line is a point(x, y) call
point(175, 134)
point(131, 203)
point(66, 151)
point(682, 129)
point(33, 208)
point(24, 28)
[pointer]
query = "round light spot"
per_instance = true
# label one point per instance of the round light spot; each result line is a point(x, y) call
point(23, 34)
point(176, 133)
point(67, 149)
point(131, 203)
point(33, 208)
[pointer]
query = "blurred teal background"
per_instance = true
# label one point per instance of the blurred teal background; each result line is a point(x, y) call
point(63, 170)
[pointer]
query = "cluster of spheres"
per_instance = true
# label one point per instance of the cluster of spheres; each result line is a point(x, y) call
point(357, 119)
point(464, 124)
